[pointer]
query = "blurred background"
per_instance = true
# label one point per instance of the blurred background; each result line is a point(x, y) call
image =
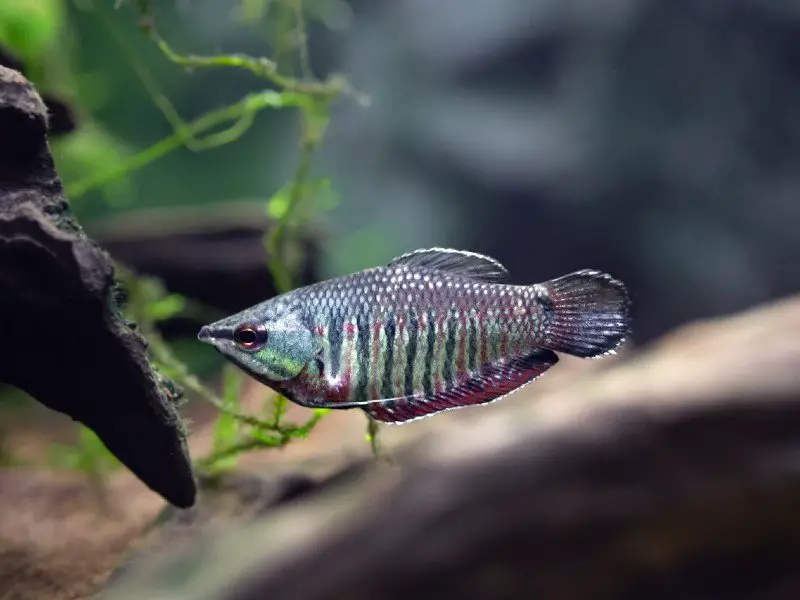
point(658, 140)
point(654, 139)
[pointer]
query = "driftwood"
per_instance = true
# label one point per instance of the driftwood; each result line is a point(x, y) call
point(674, 474)
point(62, 338)
point(60, 117)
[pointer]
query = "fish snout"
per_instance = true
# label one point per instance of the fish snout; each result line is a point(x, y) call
point(205, 334)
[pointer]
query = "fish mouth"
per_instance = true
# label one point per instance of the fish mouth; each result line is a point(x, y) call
point(214, 334)
point(205, 335)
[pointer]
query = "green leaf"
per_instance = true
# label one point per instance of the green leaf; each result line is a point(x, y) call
point(28, 27)
point(278, 204)
point(166, 308)
point(226, 429)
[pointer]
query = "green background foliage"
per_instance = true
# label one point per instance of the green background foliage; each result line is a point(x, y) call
point(155, 129)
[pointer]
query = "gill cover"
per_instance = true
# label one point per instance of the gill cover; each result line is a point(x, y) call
point(289, 347)
point(277, 347)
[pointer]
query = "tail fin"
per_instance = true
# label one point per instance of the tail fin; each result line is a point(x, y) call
point(590, 313)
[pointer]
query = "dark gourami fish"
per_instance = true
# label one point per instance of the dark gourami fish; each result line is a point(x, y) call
point(434, 330)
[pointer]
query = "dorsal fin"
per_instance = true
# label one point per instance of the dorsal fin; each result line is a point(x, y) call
point(454, 262)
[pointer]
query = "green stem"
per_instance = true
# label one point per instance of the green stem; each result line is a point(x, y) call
point(302, 34)
point(240, 447)
point(276, 250)
point(265, 68)
point(313, 97)
point(283, 435)
point(148, 82)
point(279, 407)
point(372, 436)
point(250, 104)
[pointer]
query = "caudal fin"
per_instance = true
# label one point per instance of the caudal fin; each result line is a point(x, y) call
point(590, 313)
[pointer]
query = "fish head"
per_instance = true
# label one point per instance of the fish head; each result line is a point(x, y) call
point(270, 342)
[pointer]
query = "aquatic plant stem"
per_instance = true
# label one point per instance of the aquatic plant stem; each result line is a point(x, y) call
point(265, 68)
point(242, 112)
point(372, 436)
point(313, 99)
point(278, 437)
point(302, 34)
point(275, 239)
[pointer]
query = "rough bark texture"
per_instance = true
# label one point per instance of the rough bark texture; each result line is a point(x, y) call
point(62, 339)
point(60, 117)
point(671, 475)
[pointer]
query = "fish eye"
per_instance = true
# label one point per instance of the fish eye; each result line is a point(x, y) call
point(249, 337)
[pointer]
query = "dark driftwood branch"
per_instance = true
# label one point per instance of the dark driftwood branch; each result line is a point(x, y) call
point(672, 476)
point(62, 339)
point(60, 117)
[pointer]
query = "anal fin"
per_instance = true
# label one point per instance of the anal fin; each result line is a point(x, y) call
point(490, 383)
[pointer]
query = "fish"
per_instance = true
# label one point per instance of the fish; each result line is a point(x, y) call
point(434, 330)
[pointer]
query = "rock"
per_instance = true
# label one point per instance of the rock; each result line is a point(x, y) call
point(62, 338)
point(672, 473)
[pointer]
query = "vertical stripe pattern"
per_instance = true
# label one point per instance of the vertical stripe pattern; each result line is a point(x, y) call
point(472, 351)
point(450, 349)
point(362, 357)
point(393, 332)
point(411, 356)
point(336, 335)
point(430, 347)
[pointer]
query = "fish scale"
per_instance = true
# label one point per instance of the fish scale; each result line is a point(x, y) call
point(406, 299)
point(433, 330)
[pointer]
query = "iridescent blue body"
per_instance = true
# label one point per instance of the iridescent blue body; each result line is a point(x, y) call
point(433, 330)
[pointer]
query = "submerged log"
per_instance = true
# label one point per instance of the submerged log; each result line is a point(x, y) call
point(673, 474)
point(62, 338)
